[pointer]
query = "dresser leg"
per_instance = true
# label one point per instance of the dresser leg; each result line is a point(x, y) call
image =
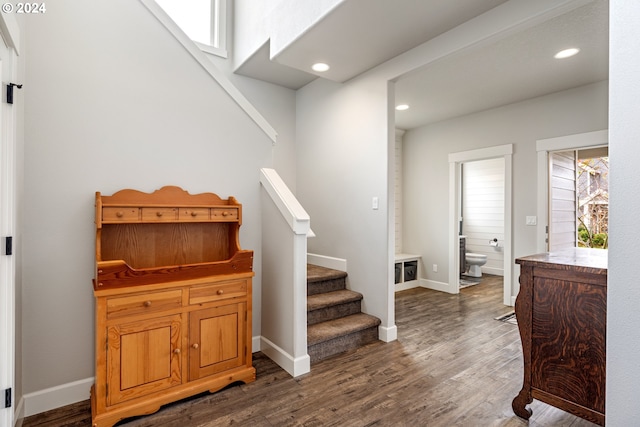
point(520, 403)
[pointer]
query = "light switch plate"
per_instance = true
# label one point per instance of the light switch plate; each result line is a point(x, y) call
point(532, 220)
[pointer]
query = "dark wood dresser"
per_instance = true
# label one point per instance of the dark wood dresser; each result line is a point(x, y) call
point(562, 311)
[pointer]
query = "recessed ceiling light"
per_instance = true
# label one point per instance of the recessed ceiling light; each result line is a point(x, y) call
point(320, 67)
point(566, 53)
point(402, 107)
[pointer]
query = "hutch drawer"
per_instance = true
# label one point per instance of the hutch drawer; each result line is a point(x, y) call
point(143, 303)
point(194, 214)
point(217, 291)
point(224, 214)
point(159, 214)
point(118, 213)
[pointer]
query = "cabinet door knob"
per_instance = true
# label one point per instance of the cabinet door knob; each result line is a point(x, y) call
point(195, 345)
point(147, 303)
point(220, 292)
point(176, 351)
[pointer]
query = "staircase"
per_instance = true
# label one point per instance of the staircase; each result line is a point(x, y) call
point(335, 322)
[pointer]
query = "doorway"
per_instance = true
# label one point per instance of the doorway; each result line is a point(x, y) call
point(578, 198)
point(455, 213)
point(482, 218)
point(545, 149)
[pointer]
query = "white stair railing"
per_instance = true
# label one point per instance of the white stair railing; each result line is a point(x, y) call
point(285, 226)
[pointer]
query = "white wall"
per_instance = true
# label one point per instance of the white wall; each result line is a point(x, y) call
point(483, 211)
point(397, 181)
point(277, 105)
point(113, 102)
point(623, 295)
point(343, 138)
point(426, 166)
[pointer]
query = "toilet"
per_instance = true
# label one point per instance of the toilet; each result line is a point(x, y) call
point(474, 261)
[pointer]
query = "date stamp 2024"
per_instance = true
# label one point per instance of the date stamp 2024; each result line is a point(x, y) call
point(26, 8)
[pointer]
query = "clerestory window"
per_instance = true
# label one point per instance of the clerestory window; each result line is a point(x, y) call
point(204, 21)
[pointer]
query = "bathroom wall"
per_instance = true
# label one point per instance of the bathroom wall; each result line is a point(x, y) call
point(483, 211)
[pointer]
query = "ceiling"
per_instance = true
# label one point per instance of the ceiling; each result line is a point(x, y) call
point(358, 35)
point(512, 69)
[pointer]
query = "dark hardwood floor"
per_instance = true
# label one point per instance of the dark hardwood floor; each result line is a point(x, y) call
point(452, 365)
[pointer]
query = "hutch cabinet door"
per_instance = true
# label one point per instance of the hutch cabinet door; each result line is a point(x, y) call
point(568, 341)
point(143, 357)
point(217, 339)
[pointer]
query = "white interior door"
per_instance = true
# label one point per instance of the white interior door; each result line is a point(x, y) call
point(6, 279)
point(562, 200)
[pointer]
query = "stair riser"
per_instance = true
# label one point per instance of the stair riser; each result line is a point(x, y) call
point(341, 344)
point(326, 286)
point(333, 312)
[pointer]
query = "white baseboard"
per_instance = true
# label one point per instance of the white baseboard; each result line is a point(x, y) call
point(66, 394)
point(387, 334)
point(438, 286)
point(294, 366)
point(19, 413)
point(55, 397)
point(327, 262)
point(406, 285)
point(492, 270)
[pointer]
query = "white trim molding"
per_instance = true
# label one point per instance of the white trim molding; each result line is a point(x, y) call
point(327, 262)
point(10, 31)
point(455, 159)
point(294, 366)
point(58, 396)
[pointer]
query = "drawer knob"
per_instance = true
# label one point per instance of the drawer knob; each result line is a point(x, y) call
point(225, 213)
point(159, 214)
point(176, 351)
point(119, 214)
point(147, 303)
point(195, 345)
point(220, 292)
point(194, 213)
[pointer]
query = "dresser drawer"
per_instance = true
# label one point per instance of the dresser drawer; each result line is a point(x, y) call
point(159, 214)
point(116, 214)
point(224, 214)
point(217, 291)
point(194, 214)
point(152, 302)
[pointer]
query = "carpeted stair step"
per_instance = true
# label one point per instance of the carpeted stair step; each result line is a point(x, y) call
point(321, 279)
point(329, 338)
point(332, 305)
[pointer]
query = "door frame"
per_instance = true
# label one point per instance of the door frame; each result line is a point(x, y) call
point(455, 162)
point(10, 35)
point(543, 147)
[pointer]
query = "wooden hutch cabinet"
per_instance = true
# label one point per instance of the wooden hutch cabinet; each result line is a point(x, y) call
point(173, 300)
point(562, 317)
